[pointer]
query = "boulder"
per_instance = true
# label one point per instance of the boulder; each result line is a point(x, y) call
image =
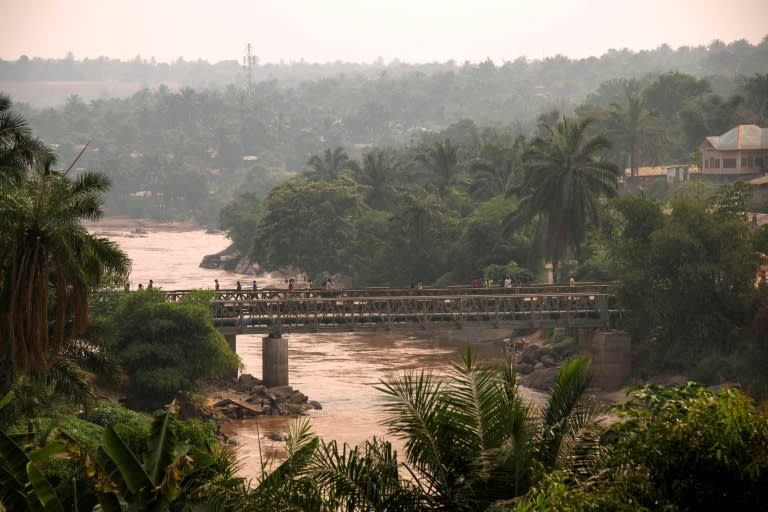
point(297, 397)
point(529, 350)
point(523, 368)
point(230, 259)
point(246, 383)
point(567, 347)
point(544, 351)
point(258, 393)
point(548, 361)
point(542, 379)
point(281, 393)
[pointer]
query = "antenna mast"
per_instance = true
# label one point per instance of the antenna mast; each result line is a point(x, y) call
point(249, 61)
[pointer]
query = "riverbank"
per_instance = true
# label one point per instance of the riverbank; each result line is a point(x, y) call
point(130, 224)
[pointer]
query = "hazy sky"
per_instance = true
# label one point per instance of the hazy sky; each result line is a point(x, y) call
point(363, 30)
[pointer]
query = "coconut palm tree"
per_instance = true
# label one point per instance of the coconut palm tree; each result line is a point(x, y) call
point(564, 181)
point(49, 261)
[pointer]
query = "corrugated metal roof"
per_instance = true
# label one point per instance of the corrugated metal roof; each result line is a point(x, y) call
point(744, 136)
point(762, 180)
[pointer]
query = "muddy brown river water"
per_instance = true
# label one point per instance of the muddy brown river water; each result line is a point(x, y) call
point(337, 369)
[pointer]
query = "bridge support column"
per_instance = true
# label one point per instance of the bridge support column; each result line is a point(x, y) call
point(611, 354)
point(231, 373)
point(274, 359)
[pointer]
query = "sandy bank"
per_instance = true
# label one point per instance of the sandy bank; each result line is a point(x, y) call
point(128, 224)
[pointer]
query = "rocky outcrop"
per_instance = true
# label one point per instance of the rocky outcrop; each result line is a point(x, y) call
point(251, 397)
point(230, 259)
point(538, 365)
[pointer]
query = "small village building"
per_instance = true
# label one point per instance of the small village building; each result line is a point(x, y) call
point(758, 200)
point(739, 153)
point(677, 173)
point(647, 176)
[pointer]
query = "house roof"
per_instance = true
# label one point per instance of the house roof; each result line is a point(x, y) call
point(744, 136)
point(660, 170)
point(647, 171)
point(762, 180)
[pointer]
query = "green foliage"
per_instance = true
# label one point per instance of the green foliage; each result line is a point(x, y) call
point(131, 426)
point(517, 274)
point(240, 219)
point(22, 485)
point(152, 485)
point(760, 238)
point(564, 181)
point(308, 225)
point(48, 260)
point(667, 94)
point(363, 477)
point(482, 241)
point(556, 493)
point(168, 347)
point(699, 449)
point(470, 440)
point(731, 202)
point(688, 275)
point(201, 297)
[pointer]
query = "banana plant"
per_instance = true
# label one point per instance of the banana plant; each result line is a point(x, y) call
point(22, 485)
point(153, 484)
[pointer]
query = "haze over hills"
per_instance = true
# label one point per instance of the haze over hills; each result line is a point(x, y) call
point(49, 82)
point(195, 133)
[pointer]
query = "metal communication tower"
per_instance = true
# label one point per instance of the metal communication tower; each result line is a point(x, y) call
point(249, 61)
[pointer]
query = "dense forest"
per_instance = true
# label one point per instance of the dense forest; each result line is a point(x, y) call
point(187, 148)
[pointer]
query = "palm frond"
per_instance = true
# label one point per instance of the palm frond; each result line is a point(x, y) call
point(569, 415)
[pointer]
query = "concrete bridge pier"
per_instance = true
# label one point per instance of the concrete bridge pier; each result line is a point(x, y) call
point(611, 355)
point(274, 360)
point(231, 373)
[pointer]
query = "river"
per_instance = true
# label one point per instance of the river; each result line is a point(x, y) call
point(339, 370)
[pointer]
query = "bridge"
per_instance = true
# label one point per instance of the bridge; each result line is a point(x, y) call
point(274, 312)
point(278, 311)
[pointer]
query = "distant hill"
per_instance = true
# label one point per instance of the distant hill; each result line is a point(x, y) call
point(49, 82)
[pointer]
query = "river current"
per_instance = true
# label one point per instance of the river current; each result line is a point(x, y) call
point(339, 370)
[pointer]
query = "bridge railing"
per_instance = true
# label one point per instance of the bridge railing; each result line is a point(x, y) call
point(282, 293)
point(351, 313)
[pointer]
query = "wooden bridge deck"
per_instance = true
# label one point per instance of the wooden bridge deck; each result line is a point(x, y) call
point(269, 311)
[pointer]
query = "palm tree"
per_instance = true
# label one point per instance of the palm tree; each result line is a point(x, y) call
point(20, 152)
point(563, 183)
point(379, 174)
point(419, 213)
point(470, 440)
point(440, 160)
point(497, 171)
point(330, 166)
point(47, 258)
point(362, 478)
point(635, 131)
